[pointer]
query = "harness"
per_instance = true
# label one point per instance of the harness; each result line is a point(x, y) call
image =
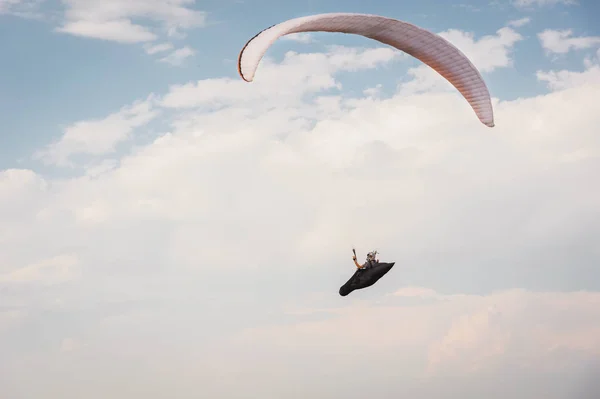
point(369, 264)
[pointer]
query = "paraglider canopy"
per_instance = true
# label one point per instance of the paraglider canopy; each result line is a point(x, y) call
point(426, 46)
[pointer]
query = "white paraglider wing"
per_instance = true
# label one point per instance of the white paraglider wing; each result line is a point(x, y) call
point(426, 46)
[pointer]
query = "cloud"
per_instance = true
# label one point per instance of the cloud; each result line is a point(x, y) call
point(311, 73)
point(468, 7)
point(122, 31)
point(448, 348)
point(565, 79)
point(542, 3)
point(492, 332)
point(158, 48)
point(127, 22)
point(21, 8)
point(228, 232)
point(57, 269)
point(98, 137)
point(418, 292)
point(517, 23)
point(70, 345)
point(114, 19)
point(559, 80)
point(275, 128)
point(178, 57)
point(302, 37)
point(561, 41)
point(6, 5)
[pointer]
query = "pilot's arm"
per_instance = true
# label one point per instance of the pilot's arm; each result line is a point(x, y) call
point(356, 263)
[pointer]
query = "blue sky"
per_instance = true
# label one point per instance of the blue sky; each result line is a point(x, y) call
point(166, 224)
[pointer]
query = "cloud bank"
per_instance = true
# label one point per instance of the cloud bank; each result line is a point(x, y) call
point(207, 260)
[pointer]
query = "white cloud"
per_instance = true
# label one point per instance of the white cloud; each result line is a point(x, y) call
point(560, 80)
point(248, 206)
point(468, 7)
point(99, 137)
point(311, 73)
point(21, 8)
point(517, 23)
point(331, 143)
point(70, 345)
point(373, 91)
point(418, 292)
point(9, 318)
point(565, 79)
point(21, 193)
point(159, 48)
point(55, 270)
point(122, 31)
point(178, 57)
point(492, 332)
point(561, 41)
point(128, 21)
point(302, 37)
point(542, 3)
point(7, 5)
point(423, 347)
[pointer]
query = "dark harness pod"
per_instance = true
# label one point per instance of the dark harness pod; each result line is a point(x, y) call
point(366, 277)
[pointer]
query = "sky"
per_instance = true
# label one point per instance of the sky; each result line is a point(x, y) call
point(169, 230)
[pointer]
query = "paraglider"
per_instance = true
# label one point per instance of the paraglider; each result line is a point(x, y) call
point(428, 47)
point(366, 274)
